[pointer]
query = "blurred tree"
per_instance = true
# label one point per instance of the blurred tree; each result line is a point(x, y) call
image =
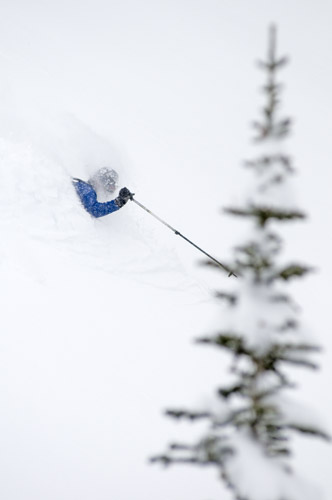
point(250, 421)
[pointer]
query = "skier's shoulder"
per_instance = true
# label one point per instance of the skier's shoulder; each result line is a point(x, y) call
point(82, 186)
point(76, 180)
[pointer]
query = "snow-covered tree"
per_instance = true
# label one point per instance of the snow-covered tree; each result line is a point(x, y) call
point(251, 420)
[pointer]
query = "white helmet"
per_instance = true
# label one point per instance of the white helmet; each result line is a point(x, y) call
point(105, 178)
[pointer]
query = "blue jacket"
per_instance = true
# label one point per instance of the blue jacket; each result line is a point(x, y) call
point(88, 197)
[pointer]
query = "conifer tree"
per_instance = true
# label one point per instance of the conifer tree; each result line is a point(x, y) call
point(251, 421)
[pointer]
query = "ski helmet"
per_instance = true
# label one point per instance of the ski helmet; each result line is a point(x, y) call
point(105, 178)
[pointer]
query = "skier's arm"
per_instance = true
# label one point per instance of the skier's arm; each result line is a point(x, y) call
point(98, 209)
point(95, 208)
point(105, 208)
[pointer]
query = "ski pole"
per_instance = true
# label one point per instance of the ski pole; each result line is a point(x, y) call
point(226, 268)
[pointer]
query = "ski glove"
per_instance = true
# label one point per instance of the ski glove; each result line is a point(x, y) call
point(124, 196)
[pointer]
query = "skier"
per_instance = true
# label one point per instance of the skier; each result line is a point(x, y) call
point(104, 181)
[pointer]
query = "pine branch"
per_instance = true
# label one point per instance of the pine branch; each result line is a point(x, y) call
point(226, 392)
point(226, 268)
point(309, 431)
point(229, 297)
point(229, 341)
point(292, 271)
point(190, 415)
point(211, 450)
point(264, 214)
point(265, 162)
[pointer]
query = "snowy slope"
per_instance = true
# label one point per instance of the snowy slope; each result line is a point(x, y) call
point(91, 315)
